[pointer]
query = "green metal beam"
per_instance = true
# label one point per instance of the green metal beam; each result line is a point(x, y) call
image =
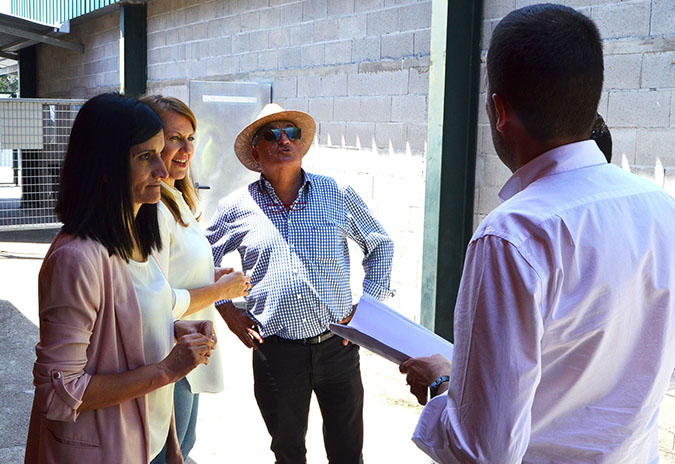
point(133, 49)
point(451, 156)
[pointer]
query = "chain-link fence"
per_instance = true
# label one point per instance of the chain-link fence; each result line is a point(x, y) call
point(33, 141)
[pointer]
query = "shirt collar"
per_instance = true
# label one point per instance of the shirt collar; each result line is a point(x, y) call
point(172, 192)
point(306, 182)
point(563, 158)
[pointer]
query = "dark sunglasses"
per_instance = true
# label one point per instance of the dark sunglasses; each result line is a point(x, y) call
point(293, 133)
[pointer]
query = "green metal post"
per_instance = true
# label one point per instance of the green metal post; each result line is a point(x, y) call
point(28, 72)
point(133, 49)
point(451, 156)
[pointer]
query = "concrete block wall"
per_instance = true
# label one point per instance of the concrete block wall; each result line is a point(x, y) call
point(359, 67)
point(638, 101)
point(65, 73)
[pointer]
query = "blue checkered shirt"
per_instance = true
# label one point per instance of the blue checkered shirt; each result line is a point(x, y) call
point(298, 260)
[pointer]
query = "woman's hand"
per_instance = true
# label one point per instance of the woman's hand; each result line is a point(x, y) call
point(221, 271)
point(232, 285)
point(190, 351)
point(185, 327)
point(227, 286)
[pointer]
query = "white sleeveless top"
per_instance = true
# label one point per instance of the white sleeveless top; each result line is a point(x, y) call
point(156, 300)
point(187, 262)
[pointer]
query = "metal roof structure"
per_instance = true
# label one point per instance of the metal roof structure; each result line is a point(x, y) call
point(17, 33)
point(56, 11)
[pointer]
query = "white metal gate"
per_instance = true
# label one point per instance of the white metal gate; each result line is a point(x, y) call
point(33, 141)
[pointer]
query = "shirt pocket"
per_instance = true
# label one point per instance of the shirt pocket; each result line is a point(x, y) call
point(325, 242)
point(70, 442)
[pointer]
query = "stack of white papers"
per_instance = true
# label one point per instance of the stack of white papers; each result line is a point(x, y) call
point(378, 328)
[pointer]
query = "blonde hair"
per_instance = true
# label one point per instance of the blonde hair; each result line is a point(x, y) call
point(163, 105)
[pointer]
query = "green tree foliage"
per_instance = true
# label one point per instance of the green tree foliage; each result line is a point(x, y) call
point(9, 83)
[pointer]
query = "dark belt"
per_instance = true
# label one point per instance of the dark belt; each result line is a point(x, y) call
point(315, 340)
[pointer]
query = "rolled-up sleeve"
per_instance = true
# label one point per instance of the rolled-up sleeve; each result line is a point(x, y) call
point(181, 302)
point(69, 298)
point(219, 234)
point(220, 237)
point(429, 436)
point(375, 243)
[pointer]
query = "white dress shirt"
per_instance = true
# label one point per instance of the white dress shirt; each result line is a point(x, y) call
point(187, 262)
point(564, 323)
point(156, 300)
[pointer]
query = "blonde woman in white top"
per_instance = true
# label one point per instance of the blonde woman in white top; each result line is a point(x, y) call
point(186, 259)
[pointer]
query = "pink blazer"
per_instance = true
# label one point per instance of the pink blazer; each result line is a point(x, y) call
point(90, 323)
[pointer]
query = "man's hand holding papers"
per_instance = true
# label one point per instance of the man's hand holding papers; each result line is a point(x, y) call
point(422, 372)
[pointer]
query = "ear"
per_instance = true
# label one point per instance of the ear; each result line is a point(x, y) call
point(254, 154)
point(502, 112)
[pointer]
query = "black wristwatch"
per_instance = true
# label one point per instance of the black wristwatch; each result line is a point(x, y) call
point(433, 388)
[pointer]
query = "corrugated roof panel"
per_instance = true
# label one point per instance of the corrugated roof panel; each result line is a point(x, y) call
point(56, 11)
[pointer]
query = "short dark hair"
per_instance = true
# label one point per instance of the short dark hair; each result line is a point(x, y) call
point(95, 189)
point(602, 137)
point(546, 61)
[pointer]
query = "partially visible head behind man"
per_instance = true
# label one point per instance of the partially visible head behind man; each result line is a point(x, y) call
point(546, 61)
point(603, 138)
point(95, 199)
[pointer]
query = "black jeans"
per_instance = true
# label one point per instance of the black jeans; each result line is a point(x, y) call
point(286, 374)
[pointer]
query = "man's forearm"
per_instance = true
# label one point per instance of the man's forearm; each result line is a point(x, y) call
point(225, 308)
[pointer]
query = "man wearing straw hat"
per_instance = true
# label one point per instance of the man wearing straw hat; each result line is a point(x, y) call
point(290, 228)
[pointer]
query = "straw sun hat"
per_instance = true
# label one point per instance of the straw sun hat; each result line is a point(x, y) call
point(272, 112)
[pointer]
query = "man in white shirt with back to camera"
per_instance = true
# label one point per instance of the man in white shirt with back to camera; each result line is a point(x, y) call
point(565, 318)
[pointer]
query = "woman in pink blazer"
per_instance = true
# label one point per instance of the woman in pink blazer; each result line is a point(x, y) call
point(90, 376)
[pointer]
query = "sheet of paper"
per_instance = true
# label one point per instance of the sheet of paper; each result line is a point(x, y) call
point(378, 328)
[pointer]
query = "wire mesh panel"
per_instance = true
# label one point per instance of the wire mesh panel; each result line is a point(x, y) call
point(33, 141)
